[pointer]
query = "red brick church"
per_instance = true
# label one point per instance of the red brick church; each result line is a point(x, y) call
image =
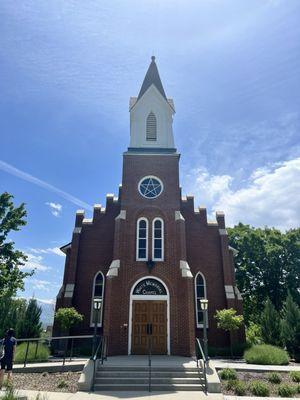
point(149, 256)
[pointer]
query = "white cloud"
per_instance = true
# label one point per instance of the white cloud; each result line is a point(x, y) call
point(34, 262)
point(47, 301)
point(55, 208)
point(10, 169)
point(41, 284)
point(49, 250)
point(271, 195)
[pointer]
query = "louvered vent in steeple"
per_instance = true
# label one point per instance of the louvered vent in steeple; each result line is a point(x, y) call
point(151, 127)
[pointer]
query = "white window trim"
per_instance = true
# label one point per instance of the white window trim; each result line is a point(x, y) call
point(162, 239)
point(205, 296)
point(92, 324)
point(154, 177)
point(138, 297)
point(137, 239)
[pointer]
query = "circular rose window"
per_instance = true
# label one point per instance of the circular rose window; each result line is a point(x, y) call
point(150, 187)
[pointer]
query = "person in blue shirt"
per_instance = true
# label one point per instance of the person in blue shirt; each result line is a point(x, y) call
point(9, 346)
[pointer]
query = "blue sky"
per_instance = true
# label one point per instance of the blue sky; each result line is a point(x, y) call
point(68, 69)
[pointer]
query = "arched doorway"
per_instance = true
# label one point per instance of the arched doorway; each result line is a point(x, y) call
point(149, 317)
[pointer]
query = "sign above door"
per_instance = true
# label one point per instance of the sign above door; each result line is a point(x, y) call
point(150, 287)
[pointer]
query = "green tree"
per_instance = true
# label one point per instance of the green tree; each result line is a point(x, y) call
point(11, 219)
point(30, 325)
point(67, 317)
point(11, 314)
point(229, 321)
point(253, 334)
point(270, 324)
point(291, 327)
point(267, 266)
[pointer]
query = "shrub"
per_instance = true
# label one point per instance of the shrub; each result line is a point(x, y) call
point(259, 389)
point(286, 390)
point(10, 394)
point(41, 355)
point(237, 349)
point(240, 388)
point(229, 321)
point(273, 377)
point(298, 388)
point(230, 385)
point(228, 374)
point(62, 384)
point(253, 334)
point(68, 317)
point(266, 355)
point(295, 375)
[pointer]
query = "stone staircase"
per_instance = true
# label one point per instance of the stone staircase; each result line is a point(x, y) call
point(133, 378)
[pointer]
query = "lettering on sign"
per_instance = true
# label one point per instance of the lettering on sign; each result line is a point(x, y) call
point(150, 287)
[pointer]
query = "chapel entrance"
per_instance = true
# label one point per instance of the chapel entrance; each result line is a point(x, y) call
point(149, 327)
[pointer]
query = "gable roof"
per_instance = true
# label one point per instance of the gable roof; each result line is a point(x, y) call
point(152, 78)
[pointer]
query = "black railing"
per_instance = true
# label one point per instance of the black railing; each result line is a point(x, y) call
point(63, 350)
point(150, 361)
point(100, 354)
point(202, 362)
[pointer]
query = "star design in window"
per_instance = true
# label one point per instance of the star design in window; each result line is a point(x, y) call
point(150, 187)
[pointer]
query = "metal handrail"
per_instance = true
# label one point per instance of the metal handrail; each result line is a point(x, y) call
point(48, 340)
point(102, 347)
point(205, 361)
point(150, 361)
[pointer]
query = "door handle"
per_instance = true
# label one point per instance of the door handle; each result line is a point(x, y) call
point(149, 329)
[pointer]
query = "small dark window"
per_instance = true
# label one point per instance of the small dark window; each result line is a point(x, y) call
point(158, 238)
point(200, 291)
point(141, 240)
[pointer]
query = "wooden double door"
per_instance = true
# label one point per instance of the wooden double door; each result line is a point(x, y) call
point(149, 325)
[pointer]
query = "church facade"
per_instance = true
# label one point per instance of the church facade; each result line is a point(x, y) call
point(149, 256)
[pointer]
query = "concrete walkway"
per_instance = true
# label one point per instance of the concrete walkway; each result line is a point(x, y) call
point(241, 365)
point(31, 395)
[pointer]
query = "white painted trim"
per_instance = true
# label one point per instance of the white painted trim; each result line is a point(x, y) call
point(137, 239)
point(113, 269)
point(205, 296)
point(185, 269)
point(154, 177)
point(153, 298)
point(162, 239)
point(122, 215)
point(92, 324)
point(178, 216)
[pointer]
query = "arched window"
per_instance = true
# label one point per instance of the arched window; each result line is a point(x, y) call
point(142, 239)
point(98, 292)
point(200, 293)
point(158, 239)
point(151, 127)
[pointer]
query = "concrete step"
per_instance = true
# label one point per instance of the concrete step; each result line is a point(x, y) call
point(154, 387)
point(145, 381)
point(123, 374)
point(146, 368)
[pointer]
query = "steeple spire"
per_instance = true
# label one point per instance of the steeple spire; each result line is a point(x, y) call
point(152, 78)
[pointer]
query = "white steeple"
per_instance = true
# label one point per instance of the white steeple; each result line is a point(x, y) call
point(151, 116)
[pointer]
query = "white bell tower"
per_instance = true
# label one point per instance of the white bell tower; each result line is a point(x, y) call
point(151, 116)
